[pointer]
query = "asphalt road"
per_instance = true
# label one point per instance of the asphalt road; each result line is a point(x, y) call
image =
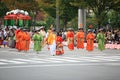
point(73, 65)
point(63, 72)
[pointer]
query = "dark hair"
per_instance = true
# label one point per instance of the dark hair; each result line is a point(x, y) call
point(59, 34)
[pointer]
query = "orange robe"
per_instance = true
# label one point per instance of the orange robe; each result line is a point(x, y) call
point(19, 41)
point(51, 38)
point(52, 42)
point(70, 40)
point(80, 40)
point(90, 41)
point(16, 36)
point(26, 41)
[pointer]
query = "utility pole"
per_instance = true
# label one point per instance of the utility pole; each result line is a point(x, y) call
point(57, 15)
point(82, 18)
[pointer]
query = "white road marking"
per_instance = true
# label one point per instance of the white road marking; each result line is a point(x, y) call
point(47, 60)
point(107, 58)
point(2, 63)
point(11, 61)
point(83, 59)
point(29, 61)
point(61, 59)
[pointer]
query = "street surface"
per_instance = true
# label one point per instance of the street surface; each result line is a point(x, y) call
point(73, 65)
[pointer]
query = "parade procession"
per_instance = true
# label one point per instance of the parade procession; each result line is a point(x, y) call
point(22, 38)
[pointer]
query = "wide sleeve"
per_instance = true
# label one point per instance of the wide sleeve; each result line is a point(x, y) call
point(34, 37)
point(40, 38)
point(98, 36)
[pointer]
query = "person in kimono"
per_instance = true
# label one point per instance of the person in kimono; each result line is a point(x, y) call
point(37, 38)
point(51, 41)
point(43, 33)
point(6, 37)
point(16, 38)
point(11, 42)
point(70, 39)
point(1, 37)
point(80, 38)
point(101, 40)
point(19, 39)
point(59, 45)
point(90, 40)
point(26, 40)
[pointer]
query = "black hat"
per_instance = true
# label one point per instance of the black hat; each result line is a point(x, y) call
point(21, 28)
point(25, 30)
point(36, 30)
point(80, 28)
point(90, 30)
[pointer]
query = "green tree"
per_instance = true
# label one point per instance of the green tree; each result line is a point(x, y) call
point(114, 18)
point(67, 12)
point(21, 4)
point(99, 7)
point(61, 9)
point(3, 9)
point(49, 6)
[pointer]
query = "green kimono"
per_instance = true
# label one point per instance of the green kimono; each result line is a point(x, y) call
point(37, 42)
point(101, 41)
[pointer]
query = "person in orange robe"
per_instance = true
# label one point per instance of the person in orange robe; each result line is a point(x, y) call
point(70, 39)
point(26, 40)
point(19, 40)
point(51, 41)
point(90, 40)
point(16, 38)
point(80, 38)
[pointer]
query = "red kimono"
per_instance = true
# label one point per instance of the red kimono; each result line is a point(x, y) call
point(80, 40)
point(90, 41)
point(70, 40)
point(59, 46)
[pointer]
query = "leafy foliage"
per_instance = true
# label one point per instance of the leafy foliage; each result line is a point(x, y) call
point(99, 7)
point(67, 11)
point(21, 4)
point(3, 9)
